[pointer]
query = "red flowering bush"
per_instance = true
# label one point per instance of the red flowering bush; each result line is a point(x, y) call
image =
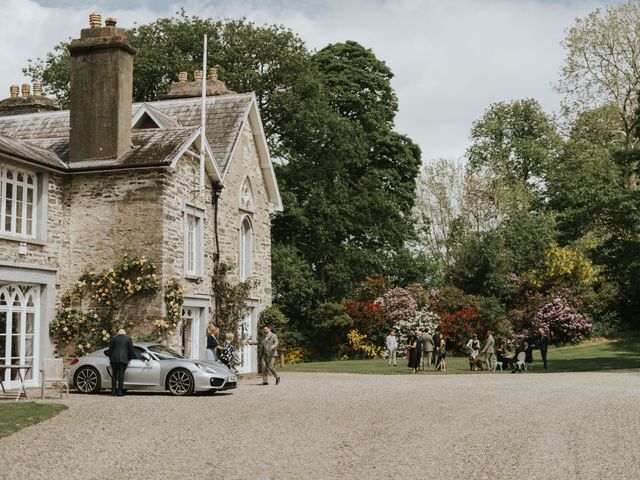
point(365, 308)
point(457, 327)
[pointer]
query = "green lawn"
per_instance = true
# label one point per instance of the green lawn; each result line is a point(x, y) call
point(589, 356)
point(16, 416)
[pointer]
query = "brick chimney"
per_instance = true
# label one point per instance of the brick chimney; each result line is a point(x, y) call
point(185, 89)
point(101, 91)
point(15, 104)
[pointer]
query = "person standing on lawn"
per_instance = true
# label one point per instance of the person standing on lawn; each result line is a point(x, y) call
point(489, 350)
point(120, 352)
point(543, 345)
point(427, 350)
point(436, 344)
point(392, 347)
point(415, 351)
point(267, 351)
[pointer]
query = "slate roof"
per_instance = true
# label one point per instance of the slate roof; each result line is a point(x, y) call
point(29, 151)
point(44, 137)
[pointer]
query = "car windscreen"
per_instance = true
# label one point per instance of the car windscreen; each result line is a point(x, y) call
point(164, 353)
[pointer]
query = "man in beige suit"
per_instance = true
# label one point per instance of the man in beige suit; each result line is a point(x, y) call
point(489, 351)
point(267, 351)
point(427, 350)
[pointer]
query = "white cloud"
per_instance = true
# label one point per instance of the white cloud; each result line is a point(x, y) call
point(451, 58)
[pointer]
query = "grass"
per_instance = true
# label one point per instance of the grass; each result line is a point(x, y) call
point(16, 416)
point(612, 354)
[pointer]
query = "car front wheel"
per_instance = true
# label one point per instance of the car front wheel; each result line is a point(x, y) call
point(87, 380)
point(180, 382)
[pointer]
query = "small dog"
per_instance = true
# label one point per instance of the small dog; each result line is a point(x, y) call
point(475, 362)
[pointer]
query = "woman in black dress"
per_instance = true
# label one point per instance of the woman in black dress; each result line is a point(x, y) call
point(415, 350)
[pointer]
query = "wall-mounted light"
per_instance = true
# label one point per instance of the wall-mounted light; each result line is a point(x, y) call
point(22, 248)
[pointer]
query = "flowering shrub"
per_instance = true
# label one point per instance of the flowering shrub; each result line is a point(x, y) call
point(173, 298)
point(361, 347)
point(295, 355)
point(458, 327)
point(398, 305)
point(423, 320)
point(566, 267)
point(105, 291)
point(563, 323)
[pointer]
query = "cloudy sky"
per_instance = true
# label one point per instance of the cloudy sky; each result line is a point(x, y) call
point(451, 58)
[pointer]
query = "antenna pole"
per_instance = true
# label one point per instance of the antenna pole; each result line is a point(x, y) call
point(203, 111)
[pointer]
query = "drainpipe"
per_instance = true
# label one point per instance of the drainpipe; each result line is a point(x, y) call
point(217, 191)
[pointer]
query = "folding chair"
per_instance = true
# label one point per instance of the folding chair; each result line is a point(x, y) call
point(52, 373)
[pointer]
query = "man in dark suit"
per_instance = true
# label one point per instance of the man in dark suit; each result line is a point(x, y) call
point(543, 345)
point(436, 344)
point(119, 353)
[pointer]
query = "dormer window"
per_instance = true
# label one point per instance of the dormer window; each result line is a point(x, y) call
point(246, 196)
point(18, 201)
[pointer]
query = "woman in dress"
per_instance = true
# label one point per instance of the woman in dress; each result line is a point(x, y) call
point(212, 344)
point(226, 356)
point(415, 350)
point(442, 355)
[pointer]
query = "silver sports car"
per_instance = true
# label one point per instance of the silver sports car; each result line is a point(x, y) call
point(155, 367)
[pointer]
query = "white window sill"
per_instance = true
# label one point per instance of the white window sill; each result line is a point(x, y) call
point(192, 276)
point(18, 238)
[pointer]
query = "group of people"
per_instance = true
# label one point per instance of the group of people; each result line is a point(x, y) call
point(225, 352)
point(267, 351)
point(427, 349)
point(424, 350)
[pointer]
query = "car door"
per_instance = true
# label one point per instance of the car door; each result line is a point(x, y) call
point(140, 372)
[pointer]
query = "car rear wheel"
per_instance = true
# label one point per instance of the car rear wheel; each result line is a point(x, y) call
point(180, 382)
point(87, 380)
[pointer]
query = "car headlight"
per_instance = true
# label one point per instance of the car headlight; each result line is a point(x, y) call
point(205, 368)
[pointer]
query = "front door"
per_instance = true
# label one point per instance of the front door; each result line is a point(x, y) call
point(247, 352)
point(189, 331)
point(19, 320)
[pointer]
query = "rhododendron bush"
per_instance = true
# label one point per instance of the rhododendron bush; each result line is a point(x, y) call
point(563, 323)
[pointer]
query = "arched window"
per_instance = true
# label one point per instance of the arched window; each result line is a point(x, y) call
point(19, 314)
point(246, 249)
point(246, 196)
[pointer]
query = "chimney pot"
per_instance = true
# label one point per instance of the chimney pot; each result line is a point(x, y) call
point(95, 20)
point(197, 75)
point(37, 88)
point(213, 74)
point(110, 22)
point(14, 91)
point(182, 77)
point(26, 89)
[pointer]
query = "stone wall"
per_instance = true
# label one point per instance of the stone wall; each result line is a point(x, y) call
point(246, 163)
point(108, 214)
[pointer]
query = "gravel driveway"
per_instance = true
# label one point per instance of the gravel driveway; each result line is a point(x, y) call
point(328, 426)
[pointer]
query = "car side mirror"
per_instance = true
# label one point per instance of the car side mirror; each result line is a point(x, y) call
point(146, 357)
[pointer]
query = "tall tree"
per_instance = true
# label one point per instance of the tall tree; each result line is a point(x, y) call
point(515, 141)
point(602, 64)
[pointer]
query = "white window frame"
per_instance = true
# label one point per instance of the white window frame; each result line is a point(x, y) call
point(17, 297)
point(193, 241)
point(15, 210)
point(246, 248)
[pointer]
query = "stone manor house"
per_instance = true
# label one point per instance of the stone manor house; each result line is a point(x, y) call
point(79, 188)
